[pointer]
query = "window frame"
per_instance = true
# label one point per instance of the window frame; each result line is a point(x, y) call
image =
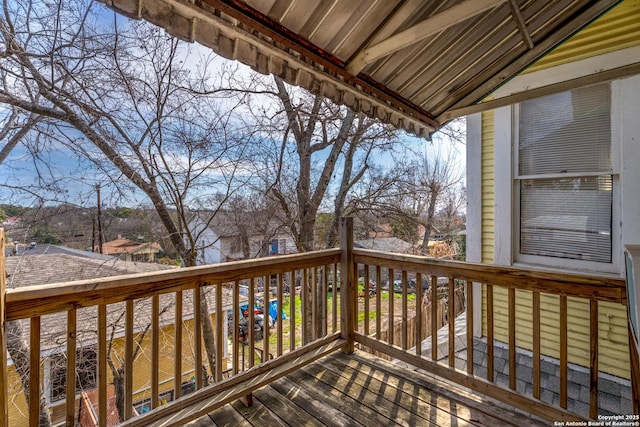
point(557, 262)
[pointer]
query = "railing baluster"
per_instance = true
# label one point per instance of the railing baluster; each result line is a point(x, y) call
point(220, 323)
point(405, 310)
point(392, 290)
point(70, 397)
point(512, 337)
point(418, 336)
point(378, 301)
point(536, 344)
point(34, 372)
point(469, 316)
point(452, 321)
point(434, 318)
point(102, 365)
point(325, 300)
point(197, 334)
point(563, 351)
point(304, 300)
point(265, 319)
point(365, 292)
point(252, 319)
point(279, 319)
point(236, 327)
point(177, 347)
point(128, 360)
point(314, 302)
point(155, 350)
point(292, 310)
point(593, 347)
point(490, 332)
point(334, 297)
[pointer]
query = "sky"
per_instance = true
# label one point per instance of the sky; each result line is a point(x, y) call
point(75, 180)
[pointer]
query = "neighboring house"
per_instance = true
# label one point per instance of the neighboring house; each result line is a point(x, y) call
point(48, 264)
point(563, 170)
point(222, 239)
point(128, 250)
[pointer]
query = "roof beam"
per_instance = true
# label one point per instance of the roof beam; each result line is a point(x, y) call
point(421, 31)
point(517, 14)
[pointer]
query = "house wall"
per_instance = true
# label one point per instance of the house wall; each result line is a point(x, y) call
point(18, 413)
point(611, 41)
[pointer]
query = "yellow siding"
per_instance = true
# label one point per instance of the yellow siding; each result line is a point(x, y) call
point(19, 417)
point(612, 339)
point(618, 29)
point(487, 186)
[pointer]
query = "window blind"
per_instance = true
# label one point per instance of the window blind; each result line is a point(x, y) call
point(566, 216)
point(567, 132)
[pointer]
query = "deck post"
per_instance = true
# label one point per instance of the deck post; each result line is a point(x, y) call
point(4, 384)
point(348, 291)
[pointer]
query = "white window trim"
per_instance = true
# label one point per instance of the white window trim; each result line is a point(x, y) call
point(507, 198)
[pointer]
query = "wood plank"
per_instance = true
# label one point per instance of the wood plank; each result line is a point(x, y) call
point(532, 406)
point(102, 365)
point(206, 400)
point(334, 297)
point(70, 396)
point(290, 413)
point(383, 402)
point(434, 317)
point(235, 368)
point(593, 350)
point(34, 371)
point(451, 319)
point(436, 408)
point(366, 299)
point(128, 360)
point(202, 422)
point(469, 399)
point(219, 335)
point(155, 351)
point(490, 343)
point(197, 335)
point(512, 337)
point(469, 295)
point(355, 408)
point(177, 347)
point(419, 305)
point(536, 344)
point(391, 314)
point(378, 301)
point(258, 415)
point(405, 310)
point(328, 414)
point(563, 351)
point(279, 319)
point(227, 416)
point(348, 285)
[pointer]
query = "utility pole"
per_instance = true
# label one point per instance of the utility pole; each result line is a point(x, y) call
point(99, 220)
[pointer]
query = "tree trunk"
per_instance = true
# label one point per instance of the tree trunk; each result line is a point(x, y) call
point(424, 248)
point(118, 387)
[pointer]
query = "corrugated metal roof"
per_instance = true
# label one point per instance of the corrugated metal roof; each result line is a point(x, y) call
point(407, 62)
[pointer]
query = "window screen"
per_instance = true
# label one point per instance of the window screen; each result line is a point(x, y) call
point(565, 181)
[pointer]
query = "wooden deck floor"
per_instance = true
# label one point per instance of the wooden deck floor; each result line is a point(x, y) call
point(362, 390)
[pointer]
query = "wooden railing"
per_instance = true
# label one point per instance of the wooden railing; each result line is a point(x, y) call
point(154, 323)
point(388, 303)
point(437, 279)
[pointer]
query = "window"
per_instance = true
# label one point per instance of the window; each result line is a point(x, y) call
point(564, 176)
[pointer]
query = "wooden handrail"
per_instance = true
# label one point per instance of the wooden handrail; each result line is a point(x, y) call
point(52, 298)
point(601, 288)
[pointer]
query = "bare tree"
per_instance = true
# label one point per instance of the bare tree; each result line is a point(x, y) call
point(126, 97)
